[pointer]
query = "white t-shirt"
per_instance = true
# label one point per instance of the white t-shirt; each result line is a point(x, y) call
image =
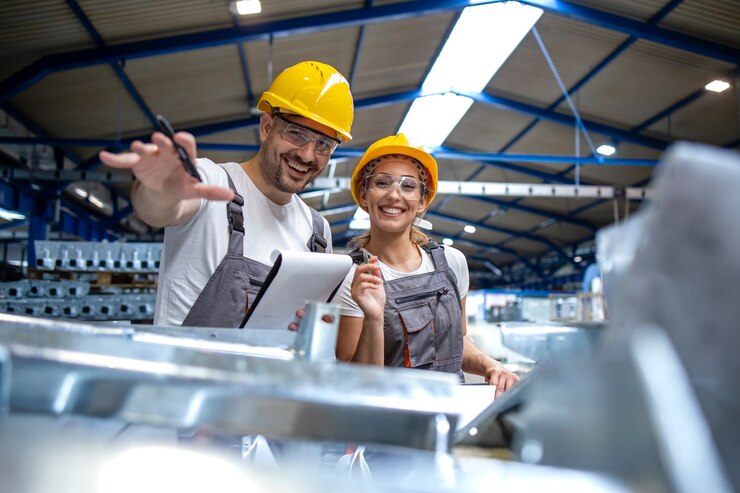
point(193, 250)
point(455, 259)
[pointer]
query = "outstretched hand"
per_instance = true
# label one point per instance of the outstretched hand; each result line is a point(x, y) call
point(157, 166)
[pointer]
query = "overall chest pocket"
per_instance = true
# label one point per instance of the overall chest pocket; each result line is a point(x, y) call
point(418, 324)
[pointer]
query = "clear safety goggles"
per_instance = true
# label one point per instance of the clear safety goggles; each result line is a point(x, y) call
point(300, 135)
point(408, 186)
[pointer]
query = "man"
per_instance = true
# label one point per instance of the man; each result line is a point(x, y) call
point(216, 257)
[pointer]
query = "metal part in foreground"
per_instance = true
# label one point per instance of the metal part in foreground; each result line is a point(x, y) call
point(553, 340)
point(317, 335)
point(74, 372)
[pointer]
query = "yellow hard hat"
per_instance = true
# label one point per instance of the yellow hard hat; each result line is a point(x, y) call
point(316, 91)
point(395, 144)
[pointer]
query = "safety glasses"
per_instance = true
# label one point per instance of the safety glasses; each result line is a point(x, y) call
point(408, 186)
point(300, 135)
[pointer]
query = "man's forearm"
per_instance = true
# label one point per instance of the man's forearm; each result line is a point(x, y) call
point(158, 209)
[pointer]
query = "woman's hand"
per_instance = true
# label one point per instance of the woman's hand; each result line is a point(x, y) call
point(499, 376)
point(367, 289)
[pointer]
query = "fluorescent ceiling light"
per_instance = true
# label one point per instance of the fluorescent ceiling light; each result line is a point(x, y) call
point(469, 228)
point(447, 241)
point(481, 41)
point(247, 7)
point(11, 215)
point(717, 86)
point(431, 119)
point(606, 149)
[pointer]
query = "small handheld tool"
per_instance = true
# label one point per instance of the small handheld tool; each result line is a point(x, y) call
point(187, 163)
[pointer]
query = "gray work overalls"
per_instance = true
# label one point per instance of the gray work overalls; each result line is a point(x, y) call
point(423, 318)
point(234, 285)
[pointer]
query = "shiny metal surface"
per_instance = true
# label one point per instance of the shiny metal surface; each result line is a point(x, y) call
point(316, 339)
point(657, 403)
point(65, 370)
point(552, 341)
point(30, 462)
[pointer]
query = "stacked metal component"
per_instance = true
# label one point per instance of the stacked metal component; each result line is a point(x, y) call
point(71, 300)
point(84, 261)
point(97, 256)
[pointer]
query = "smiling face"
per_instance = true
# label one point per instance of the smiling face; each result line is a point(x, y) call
point(390, 209)
point(286, 167)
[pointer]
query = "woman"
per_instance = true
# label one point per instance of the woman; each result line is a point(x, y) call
point(405, 306)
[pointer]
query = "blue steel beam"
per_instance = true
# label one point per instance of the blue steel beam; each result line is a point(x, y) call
point(488, 247)
point(550, 115)
point(638, 29)
point(596, 70)
point(35, 129)
point(244, 65)
point(653, 21)
point(115, 65)
point(356, 57)
point(553, 116)
point(491, 159)
point(14, 224)
point(516, 234)
point(358, 49)
point(660, 15)
point(52, 190)
point(83, 227)
point(538, 212)
point(672, 108)
point(336, 20)
point(487, 157)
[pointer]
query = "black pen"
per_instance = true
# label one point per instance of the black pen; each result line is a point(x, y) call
point(187, 163)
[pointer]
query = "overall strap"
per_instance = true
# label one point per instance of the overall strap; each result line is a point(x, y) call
point(235, 216)
point(357, 256)
point(317, 242)
point(437, 252)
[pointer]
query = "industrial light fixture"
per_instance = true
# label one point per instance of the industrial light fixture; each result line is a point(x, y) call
point(447, 241)
point(469, 228)
point(89, 197)
point(606, 149)
point(717, 86)
point(11, 215)
point(246, 7)
point(577, 258)
point(483, 38)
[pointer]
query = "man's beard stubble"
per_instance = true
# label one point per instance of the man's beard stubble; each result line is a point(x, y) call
point(270, 165)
